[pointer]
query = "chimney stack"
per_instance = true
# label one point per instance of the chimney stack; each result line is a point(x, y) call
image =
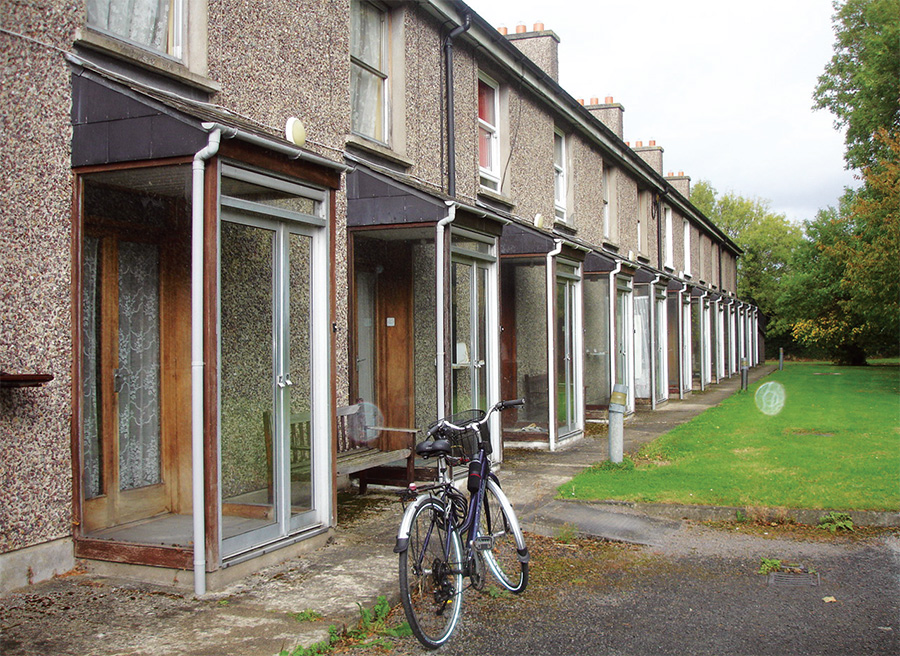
point(540, 46)
point(610, 114)
point(681, 182)
point(652, 154)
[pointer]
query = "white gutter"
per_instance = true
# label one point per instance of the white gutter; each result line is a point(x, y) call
point(439, 266)
point(197, 365)
point(278, 146)
point(551, 348)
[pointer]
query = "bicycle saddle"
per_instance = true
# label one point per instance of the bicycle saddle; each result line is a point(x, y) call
point(433, 448)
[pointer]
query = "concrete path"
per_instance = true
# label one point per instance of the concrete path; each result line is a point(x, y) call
point(88, 615)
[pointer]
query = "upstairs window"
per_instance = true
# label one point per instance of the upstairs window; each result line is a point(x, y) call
point(687, 248)
point(156, 24)
point(643, 222)
point(669, 245)
point(488, 133)
point(368, 70)
point(604, 183)
point(559, 172)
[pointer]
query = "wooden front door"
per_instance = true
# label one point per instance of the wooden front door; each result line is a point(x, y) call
point(125, 451)
point(385, 333)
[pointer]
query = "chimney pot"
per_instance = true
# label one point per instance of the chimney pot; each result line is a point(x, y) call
point(521, 29)
point(681, 173)
point(581, 101)
point(670, 174)
point(638, 144)
point(609, 100)
point(595, 101)
point(652, 142)
point(503, 30)
point(628, 143)
point(538, 27)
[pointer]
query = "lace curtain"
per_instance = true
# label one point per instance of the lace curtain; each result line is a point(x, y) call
point(90, 302)
point(138, 376)
point(142, 21)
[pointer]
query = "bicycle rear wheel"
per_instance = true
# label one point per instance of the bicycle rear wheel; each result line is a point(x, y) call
point(507, 557)
point(431, 581)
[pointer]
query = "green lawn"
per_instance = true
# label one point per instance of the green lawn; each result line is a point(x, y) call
point(835, 444)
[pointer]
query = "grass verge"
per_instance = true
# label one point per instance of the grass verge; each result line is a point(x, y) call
point(835, 444)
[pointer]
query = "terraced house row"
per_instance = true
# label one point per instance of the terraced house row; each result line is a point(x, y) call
point(250, 248)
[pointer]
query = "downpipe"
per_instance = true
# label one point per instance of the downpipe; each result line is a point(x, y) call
point(440, 238)
point(198, 169)
point(551, 347)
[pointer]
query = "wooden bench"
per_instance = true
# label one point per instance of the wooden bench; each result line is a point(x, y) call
point(358, 447)
point(361, 449)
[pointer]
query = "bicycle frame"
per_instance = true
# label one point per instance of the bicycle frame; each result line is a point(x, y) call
point(447, 490)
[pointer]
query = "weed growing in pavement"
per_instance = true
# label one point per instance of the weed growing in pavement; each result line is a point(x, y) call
point(371, 630)
point(567, 533)
point(498, 593)
point(769, 565)
point(307, 616)
point(836, 521)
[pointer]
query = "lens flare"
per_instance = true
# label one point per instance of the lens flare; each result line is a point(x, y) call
point(770, 398)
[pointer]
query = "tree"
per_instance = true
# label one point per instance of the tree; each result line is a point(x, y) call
point(843, 296)
point(860, 83)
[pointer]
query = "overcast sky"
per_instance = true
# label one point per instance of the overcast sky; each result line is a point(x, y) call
point(724, 87)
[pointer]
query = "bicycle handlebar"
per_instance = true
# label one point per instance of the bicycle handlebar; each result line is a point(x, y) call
point(500, 405)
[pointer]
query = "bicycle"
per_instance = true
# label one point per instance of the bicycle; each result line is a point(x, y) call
point(433, 559)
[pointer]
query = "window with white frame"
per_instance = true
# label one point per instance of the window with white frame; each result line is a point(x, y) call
point(687, 247)
point(369, 70)
point(643, 222)
point(489, 133)
point(604, 183)
point(560, 178)
point(669, 241)
point(157, 25)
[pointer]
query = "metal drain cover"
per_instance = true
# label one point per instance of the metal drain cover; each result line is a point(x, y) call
point(791, 579)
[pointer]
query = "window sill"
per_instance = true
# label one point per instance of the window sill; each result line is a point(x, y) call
point(146, 59)
point(496, 197)
point(608, 245)
point(382, 152)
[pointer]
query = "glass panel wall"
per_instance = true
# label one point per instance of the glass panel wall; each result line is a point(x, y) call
point(524, 349)
point(596, 343)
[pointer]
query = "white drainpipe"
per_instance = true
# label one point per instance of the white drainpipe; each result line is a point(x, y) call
point(613, 342)
point(439, 266)
point(197, 364)
point(551, 349)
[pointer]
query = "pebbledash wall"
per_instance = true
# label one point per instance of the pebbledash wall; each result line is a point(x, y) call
point(35, 291)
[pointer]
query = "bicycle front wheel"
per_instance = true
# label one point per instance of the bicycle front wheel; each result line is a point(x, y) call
point(431, 581)
point(507, 557)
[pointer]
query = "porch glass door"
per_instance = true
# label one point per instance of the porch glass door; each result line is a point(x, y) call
point(469, 328)
point(625, 340)
point(473, 322)
point(267, 419)
point(566, 290)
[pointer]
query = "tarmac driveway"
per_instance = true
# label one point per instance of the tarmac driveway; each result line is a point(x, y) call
point(700, 593)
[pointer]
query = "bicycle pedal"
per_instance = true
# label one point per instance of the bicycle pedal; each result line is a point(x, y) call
point(483, 543)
